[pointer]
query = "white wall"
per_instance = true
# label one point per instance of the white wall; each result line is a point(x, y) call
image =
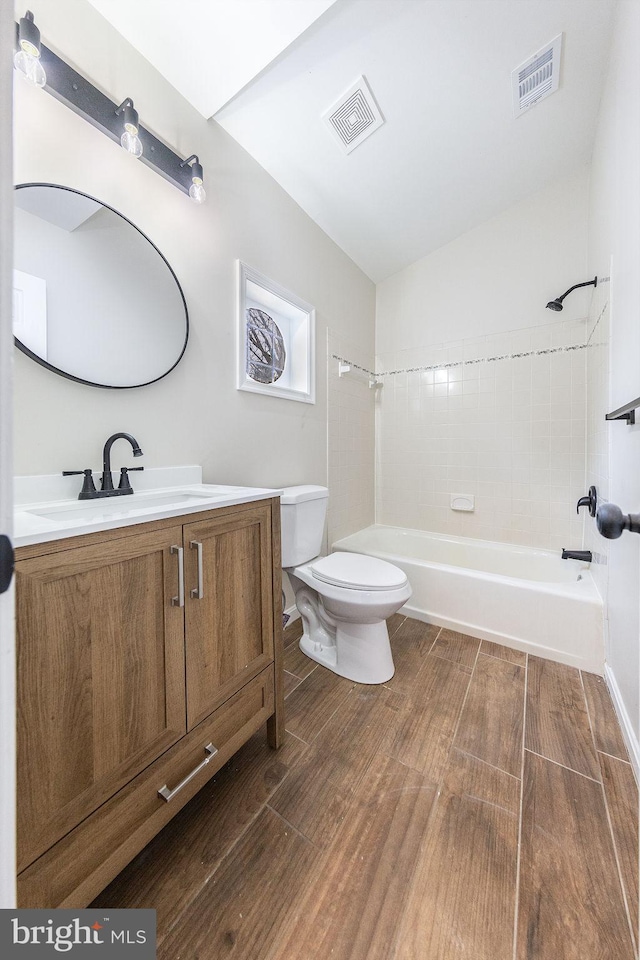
point(495, 278)
point(195, 415)
point(509, 431)
point(614, 237)
point(351, 437)
point(598, 430)
point(7, 642)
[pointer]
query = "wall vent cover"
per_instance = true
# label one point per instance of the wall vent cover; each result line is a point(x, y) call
point(354, 117)
point(536, 78)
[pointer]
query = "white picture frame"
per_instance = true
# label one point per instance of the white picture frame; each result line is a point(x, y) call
point(275, 339)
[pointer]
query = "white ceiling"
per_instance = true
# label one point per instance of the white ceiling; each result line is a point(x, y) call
point(210, 49)
point(450, 154)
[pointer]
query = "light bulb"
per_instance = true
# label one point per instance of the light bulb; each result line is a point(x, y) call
point(27, 59)
point(30, 67)
point(131, 143)
point(197, 192)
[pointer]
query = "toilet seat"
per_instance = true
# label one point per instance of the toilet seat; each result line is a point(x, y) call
point(355, 571)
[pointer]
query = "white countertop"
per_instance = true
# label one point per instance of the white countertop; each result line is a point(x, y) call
point(57, 513)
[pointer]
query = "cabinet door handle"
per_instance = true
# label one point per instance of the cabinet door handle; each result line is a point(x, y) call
point(167, 794)
point(198, 592)
point(179, 600)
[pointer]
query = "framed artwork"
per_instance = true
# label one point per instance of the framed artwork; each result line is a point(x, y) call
point(276, 339)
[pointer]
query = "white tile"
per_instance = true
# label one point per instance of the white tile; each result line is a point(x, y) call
point(560, 393)
point(560, 428)
point(486, 384)
point(541, 337)
point(560, 367)
point(578, 367)
point(521, 397)
point(470, 387)
point(471, 371)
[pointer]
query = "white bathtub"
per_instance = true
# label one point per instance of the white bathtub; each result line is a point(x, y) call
point(523, 597)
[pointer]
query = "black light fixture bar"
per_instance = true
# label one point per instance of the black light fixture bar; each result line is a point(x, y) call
point(77, 93)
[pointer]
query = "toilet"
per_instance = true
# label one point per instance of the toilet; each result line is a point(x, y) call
point(344, 599)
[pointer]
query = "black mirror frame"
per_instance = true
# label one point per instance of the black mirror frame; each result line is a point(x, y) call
point(90, 383)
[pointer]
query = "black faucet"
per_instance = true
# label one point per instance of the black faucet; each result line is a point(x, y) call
point(107, 489)
point(585, 555)
point(107, 479)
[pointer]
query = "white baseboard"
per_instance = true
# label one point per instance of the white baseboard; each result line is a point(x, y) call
point(628, 732)
point(292, 613)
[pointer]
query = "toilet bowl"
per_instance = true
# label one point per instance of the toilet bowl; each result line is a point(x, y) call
point(344, 599)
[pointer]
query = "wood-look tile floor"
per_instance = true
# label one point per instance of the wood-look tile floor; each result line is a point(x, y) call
point(478, 806)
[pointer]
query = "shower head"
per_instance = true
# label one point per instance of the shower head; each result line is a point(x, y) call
point(557, 303)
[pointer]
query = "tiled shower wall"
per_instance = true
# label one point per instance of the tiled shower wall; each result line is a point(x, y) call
point(509, 430)
point(598, 429)
point(351, 439)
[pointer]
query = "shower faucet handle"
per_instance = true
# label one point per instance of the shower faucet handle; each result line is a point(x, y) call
point(590, 501)
point(611, 521)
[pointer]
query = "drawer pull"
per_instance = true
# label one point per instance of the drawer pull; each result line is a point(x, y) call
point(198, 592)
point(179, 600)
point(167, 794)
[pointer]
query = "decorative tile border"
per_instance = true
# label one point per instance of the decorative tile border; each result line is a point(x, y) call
point(356, 366)
point(595, 326)
point(462, 363)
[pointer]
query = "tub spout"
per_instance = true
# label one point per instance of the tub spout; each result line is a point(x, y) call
point(585, 555)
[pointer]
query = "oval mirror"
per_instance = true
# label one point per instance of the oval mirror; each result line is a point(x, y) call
point(94, 299)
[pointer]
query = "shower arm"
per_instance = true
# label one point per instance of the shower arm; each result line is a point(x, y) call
point(587, 283)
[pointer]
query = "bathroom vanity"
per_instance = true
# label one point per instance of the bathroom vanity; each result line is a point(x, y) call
point(149, 651)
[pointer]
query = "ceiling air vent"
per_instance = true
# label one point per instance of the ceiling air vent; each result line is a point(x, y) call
point(536, 78)
point(355, 116)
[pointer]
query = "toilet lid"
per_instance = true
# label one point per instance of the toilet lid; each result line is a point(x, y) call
point(356, 571)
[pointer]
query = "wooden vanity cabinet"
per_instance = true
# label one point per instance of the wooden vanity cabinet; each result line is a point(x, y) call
point(123, 691)
point(226, 639)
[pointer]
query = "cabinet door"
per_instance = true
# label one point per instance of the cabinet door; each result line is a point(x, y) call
point(100, 677)
point(229, 629)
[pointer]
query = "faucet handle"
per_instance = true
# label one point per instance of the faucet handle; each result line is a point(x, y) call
point(88, 486)
point(590, 501)
point(124, 478)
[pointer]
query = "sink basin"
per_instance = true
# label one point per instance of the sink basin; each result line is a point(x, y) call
point(92, 510)
point(48, 509)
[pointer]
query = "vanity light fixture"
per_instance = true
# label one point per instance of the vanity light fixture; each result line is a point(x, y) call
point(196, 190)
point(49, 71)
point(27, 56)
point(130, 141)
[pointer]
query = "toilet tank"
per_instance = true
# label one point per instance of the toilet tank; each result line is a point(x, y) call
point(303, 511)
